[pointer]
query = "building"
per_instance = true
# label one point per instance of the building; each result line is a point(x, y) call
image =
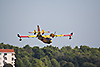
point(7, 56)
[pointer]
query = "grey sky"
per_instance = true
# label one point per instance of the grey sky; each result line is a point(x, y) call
point(79, 16)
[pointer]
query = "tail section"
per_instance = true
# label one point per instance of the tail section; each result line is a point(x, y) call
point(39, 32)
point(19, 37)
point(70, 37)
point(38, 28)
point(72, 33)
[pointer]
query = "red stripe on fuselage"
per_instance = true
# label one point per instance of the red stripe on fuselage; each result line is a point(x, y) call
point(68, 35)
point(24, 36)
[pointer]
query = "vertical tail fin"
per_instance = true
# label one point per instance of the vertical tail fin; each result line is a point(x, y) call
point(38, 28)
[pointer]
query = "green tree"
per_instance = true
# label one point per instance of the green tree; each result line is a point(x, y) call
point(7, 65)
point(37, 63)
point(62, 63)
point(19, 63)
point(51, 56)
point(99, 49)
point(35, 48)
point(39, 54)
point(55, 63)
point(66, 49)
point(84, 48)
point(76, 47)
point(1, 45)
point(46, 61)
point(27, 48)
point(97, 64)
point(69, 64)
point(87, 64)
point(26, 62)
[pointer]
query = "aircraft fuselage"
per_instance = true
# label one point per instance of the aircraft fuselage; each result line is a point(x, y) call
point(43, 39)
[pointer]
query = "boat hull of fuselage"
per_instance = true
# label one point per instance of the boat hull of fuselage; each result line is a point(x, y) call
point(45, 40)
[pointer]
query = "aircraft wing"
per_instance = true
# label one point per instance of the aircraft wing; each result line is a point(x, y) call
point(46, 32)
point(62, 35)
point(32, 36)
point(46, 36)
point(29, 36)
point(26, 36)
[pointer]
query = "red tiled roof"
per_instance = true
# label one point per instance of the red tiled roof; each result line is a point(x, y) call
point(6, 50)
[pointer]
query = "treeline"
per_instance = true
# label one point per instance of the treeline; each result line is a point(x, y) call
point(51, 56)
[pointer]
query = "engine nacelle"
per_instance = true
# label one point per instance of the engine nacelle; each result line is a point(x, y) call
point(42, 32)
point(34, 32)
point(52, 35)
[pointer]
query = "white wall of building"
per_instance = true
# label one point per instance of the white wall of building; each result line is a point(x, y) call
point(7, 58)
point(1, 59)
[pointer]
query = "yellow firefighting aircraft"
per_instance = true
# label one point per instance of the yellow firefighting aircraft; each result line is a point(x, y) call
point(44, 38)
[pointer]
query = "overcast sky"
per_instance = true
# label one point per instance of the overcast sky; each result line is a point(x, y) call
point(63, 16)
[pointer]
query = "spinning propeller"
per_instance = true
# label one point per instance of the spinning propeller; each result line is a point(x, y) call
point(40, 32)
point(53, 35)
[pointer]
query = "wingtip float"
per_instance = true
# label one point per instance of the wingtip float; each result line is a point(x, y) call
point(44, 38)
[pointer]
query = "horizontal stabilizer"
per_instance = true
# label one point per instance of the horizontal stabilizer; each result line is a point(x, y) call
point(40, 32)
point(71, 33)
point(18, 35)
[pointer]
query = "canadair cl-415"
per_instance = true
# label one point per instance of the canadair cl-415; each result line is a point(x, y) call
point(44, 38)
